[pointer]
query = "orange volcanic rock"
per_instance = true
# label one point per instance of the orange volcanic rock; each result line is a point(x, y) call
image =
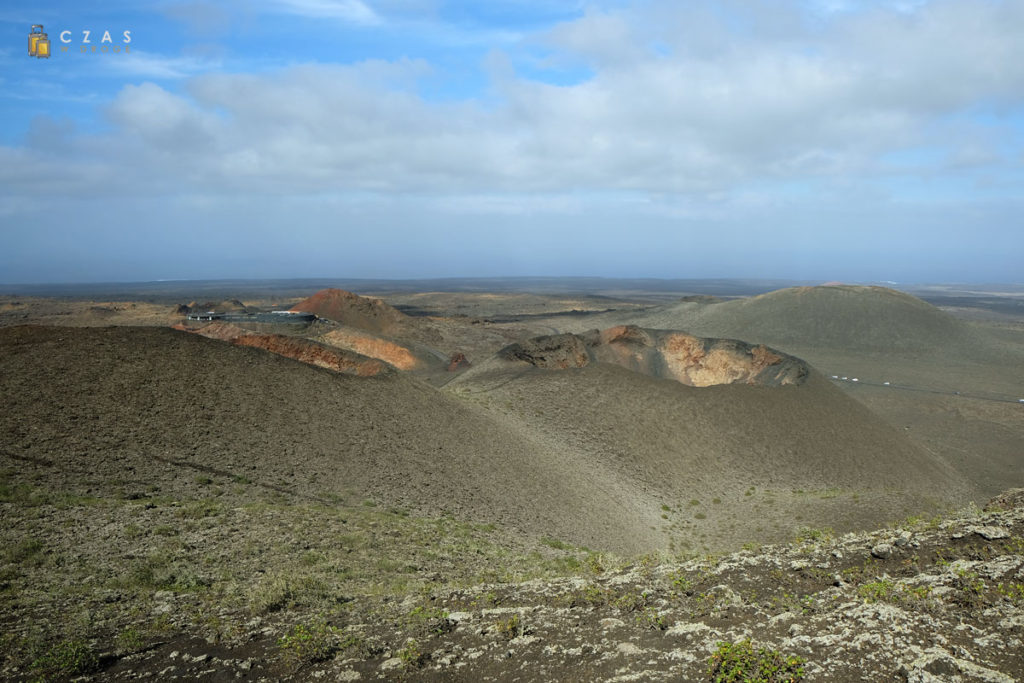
point(353, 310)
point(297, 348)
point(374, 347)
point(306, 351)
point(706, 362)
point(690, 360)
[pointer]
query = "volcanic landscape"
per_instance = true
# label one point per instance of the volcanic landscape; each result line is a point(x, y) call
point(530, 480)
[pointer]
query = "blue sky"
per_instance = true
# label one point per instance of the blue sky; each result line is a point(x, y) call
point(820, 139)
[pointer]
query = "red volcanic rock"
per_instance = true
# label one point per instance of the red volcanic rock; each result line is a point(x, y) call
point(457, 361)
point(296, 348)
point(353, 310)
point(306, 351)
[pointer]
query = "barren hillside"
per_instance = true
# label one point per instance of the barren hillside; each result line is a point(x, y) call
point(592, 456)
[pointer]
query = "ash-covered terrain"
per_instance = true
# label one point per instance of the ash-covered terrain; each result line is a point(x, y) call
point(599, 485)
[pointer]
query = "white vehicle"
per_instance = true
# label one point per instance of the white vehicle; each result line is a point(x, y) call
point(1020, 400)
point(835, 376)
point(854, 380)
point(844, 379)
point(885, 383)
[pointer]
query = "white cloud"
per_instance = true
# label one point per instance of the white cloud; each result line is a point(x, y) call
point(734, 99)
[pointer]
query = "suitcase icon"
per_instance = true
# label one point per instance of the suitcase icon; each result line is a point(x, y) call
point(38, 42)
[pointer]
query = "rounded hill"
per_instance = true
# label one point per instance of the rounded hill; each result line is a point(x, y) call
point(353, 310)
point(847, 317)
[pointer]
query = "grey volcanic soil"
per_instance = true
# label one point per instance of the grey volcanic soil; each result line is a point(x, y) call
point(600, 456)
point(175, 505)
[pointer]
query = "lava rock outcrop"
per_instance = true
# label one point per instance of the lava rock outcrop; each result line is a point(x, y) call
point(694, 361)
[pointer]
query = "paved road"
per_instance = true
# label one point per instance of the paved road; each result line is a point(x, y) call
point(839, 379)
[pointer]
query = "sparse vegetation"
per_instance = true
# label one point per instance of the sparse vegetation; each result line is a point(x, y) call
point(970, 589)
point(555, 543)
point(64, 659)
point(302, 574)
point(876, 591)
point(306, 644)
point(650, 618)
point(815, 535)
point(412, 655)
point(1014, 592)
point(512, 627)
point(742, 662)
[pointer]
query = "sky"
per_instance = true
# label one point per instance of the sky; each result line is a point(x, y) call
point(826, 140)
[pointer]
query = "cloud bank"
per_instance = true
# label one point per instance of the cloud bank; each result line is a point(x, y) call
point(699, 111)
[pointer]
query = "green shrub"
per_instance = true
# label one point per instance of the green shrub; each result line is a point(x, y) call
point(681, 582)
point(815, 535)
point(308, 644)
point(67, 658)
point(735, 662)
point(512, 627)
point(631, 602)
point(427, 619)
point(970, 589)
point(412, 655)
point(650, 618)
point(271, 595)
point(876, 591)
point(129, 640)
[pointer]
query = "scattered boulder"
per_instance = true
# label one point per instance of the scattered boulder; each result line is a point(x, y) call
point(457, 361)
point(989, 533)
point(882, 551)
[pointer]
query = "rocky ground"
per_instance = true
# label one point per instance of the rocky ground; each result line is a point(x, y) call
point(924, 600)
